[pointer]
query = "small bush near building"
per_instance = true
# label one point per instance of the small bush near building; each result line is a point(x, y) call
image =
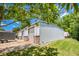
point(35, 51)
point(75, 31)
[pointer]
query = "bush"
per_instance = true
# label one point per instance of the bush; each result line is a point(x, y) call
point(75, 31)
point(35, 51)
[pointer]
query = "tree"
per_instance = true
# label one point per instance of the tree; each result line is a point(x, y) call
point(70, 23)
point(16, 30)
point(1, 29)
point(75, 31)
point(15, 12)
point(46, 12)
point(1, 12)
point(70, 6)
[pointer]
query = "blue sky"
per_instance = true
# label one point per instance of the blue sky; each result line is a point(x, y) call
point(27, 7)
point(64, 12)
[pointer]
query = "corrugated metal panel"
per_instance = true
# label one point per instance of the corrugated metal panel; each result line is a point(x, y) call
point(50, 33)
point(46, 32)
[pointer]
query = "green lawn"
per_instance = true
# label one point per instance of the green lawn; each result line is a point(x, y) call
point(67, 47)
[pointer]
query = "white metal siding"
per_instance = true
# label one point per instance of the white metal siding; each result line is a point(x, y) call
point(48, 33)
point(25, 33)
point(31, 34)
point(36, 31)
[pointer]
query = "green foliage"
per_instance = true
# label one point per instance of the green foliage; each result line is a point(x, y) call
point(1, 12)
point(35, 51)
point(16, 30)
point(70, 24)
point(1, 29)
point(47, 12)
point(70, 6)
point(75, 31)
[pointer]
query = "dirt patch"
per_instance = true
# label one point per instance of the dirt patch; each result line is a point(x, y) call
point(14, 45)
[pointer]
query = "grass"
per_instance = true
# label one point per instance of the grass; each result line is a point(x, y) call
point(67, 47)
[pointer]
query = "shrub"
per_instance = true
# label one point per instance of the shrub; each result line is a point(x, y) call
point(75, 31)
point(35, 51)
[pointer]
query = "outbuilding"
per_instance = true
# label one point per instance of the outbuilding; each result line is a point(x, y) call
point(44, 33)
point(23, 34)
point(7, 35)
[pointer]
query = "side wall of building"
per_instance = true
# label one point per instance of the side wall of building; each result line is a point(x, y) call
point(23, 34)
point(7, 35)
point(50, 33)
point(34, 34)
